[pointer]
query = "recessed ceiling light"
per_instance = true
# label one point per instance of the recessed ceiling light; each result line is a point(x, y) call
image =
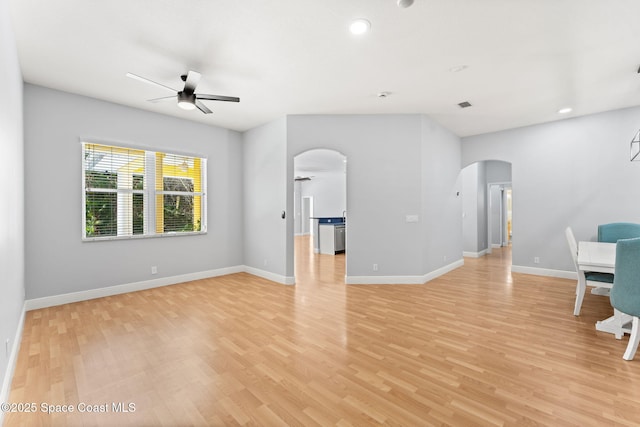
point(360, 26)
point(565, 110)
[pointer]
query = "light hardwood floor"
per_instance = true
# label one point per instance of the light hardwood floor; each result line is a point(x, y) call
point(478, 346)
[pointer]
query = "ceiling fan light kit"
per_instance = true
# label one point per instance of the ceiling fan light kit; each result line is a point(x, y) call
point(186, 101)
point(187, 98)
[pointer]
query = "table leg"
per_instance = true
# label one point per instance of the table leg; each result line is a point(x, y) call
point(618, 324)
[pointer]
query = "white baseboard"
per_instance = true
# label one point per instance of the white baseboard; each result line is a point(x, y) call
point(562, 274)
point(475, 254)
point(36, 303)
point(11, 365)
point(496, 245)
point(443, 270)
point(402, 280)
point(285, 280)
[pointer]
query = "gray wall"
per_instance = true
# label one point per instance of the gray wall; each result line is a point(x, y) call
point(495, 208)
point(265, 197)
point(497, 172)
point(574, 172)
point(482, 217)
point(12, 213)
point(57, 260)
point(398, 165)
point(470, 208)
point(441, 196)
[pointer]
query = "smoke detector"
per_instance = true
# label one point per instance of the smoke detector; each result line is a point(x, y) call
point(405, 3)
point(383, 94)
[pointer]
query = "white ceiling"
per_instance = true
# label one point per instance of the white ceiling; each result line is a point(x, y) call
point(525, 58)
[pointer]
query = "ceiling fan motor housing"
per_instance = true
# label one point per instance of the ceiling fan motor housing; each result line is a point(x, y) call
point(186, 101)
point(186, 97)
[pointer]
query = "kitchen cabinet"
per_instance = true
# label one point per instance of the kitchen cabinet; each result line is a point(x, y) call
point(332, 238)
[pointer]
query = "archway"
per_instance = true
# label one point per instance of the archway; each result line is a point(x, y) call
point(319, 208)
point(487, 206)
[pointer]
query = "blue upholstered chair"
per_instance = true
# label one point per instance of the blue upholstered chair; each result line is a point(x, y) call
point(599, 281)
point(618, 230)
point(625, 294)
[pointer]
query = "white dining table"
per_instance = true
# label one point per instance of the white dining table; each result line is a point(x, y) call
point(601, 257)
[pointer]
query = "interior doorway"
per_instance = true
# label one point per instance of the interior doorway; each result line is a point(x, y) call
point(500, 215)
point(487, 204)
point(320, 185)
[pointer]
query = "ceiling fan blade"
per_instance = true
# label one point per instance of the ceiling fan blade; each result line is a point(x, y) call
point(193, 78)
point(164, 98)
point(217, 97)
point(203, 107)
point(145, 80)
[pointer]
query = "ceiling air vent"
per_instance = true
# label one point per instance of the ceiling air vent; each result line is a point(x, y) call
point(465, 104)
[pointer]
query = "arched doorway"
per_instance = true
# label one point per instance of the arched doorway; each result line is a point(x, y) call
point(320, 211)
point(487, 219)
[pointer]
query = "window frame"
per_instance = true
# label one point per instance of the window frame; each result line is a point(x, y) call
point(149, 192)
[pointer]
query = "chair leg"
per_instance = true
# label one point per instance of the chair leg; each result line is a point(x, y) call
point(633, 340)
point(581, 288)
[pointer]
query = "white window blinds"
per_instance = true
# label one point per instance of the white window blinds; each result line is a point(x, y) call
point(131, 192)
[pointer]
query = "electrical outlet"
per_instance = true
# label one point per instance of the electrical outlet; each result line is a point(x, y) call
point(536, 260)
point(154, 270)
point(375, 267)
point(265, 262)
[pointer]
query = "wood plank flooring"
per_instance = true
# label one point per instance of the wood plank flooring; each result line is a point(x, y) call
point(477, 347)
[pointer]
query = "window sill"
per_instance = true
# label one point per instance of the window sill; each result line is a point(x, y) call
point(143, 236)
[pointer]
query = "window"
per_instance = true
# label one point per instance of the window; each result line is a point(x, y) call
point(136, 193)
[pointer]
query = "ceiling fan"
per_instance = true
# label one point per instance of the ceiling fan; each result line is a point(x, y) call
point(187, 98)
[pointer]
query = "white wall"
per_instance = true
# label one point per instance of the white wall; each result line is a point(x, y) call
point(571, 172)
point(12, 212)
point(327, 186)
point(328, 191)
point(398, 165)
point(265, 197)
point(57, 260)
